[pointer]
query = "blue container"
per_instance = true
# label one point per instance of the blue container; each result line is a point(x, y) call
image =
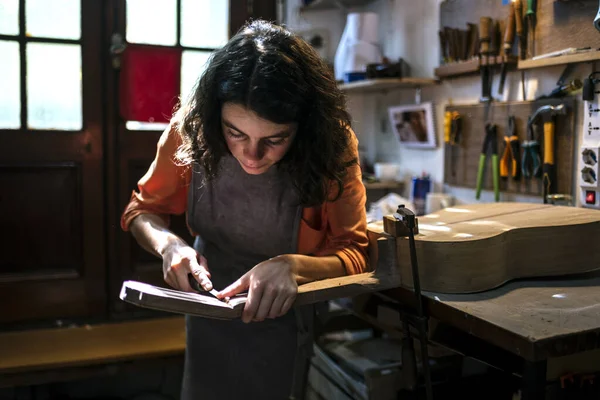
point(420, 188)
point(354, 76)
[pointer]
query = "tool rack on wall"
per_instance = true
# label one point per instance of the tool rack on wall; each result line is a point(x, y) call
point(559, 25)
point(461, 162)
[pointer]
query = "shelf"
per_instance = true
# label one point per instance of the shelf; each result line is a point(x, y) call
point(334, 4)
point(560, 60)
point(471, 66)
point(383, 84)
point(457, 68)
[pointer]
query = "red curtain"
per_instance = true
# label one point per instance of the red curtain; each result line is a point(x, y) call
point(149, 82)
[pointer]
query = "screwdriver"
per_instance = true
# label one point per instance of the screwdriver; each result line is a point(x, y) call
point(509, 38)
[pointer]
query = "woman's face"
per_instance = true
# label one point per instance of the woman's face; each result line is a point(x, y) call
point(256, 143)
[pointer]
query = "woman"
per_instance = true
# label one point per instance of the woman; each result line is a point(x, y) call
point(263, 162)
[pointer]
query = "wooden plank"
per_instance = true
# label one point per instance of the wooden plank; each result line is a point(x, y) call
point(472, 66)
point(90, 344)
point(461, 161)
point(560, 60)
point(457, 68)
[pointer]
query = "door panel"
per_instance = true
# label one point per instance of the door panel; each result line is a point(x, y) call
point(52, 263)
point(48, 242)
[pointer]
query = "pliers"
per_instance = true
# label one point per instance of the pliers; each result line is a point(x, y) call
point(509, 163)
point(490, 142)
point(531, 161)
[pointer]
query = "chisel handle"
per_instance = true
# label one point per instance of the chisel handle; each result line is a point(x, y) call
point(519, 17)
point(485, 24)
point(509, 33)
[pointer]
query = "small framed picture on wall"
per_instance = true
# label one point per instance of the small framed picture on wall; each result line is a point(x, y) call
point(413, 125)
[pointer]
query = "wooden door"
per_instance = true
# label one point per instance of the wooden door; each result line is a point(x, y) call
point(52, 263)
point(197, 28)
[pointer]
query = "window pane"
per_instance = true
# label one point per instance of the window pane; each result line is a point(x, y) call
point(10, 94)
point(9, 17)
point(152, 22)
point(54, 86)
point(53, 19)
point(204, 23)
point(192, 66)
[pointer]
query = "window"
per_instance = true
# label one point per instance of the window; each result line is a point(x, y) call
point(40, 76)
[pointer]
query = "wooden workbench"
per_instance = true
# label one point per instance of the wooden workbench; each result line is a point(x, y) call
point(517, 327)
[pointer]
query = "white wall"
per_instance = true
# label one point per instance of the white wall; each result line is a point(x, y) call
point(409, 29)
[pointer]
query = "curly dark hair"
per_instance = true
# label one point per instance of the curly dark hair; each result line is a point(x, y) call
point(280, 77)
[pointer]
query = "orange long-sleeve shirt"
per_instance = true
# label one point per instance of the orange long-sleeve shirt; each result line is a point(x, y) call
point(333, 228)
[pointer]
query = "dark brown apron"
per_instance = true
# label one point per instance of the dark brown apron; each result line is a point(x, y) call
point(241, 220)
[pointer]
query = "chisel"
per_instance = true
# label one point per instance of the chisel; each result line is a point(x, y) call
point(484, 51)
point(509, 38)
point(196, 286)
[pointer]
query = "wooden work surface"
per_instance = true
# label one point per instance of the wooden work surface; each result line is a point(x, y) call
point(461, 161)
point(535, 319)
point(48, 349)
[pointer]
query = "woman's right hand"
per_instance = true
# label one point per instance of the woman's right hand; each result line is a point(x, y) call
point(181, 260)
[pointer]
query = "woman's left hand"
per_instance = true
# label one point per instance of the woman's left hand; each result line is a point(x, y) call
point(271, 287)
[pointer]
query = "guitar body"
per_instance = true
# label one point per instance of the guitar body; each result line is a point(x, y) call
point(479, 247)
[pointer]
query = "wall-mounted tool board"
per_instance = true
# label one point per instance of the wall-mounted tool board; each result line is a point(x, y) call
point(465, 155)
point(560, 24)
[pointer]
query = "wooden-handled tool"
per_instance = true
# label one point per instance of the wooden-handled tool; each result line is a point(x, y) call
point(509, 38)
point(518, 5)
point(522, 40)
point(485, 24)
